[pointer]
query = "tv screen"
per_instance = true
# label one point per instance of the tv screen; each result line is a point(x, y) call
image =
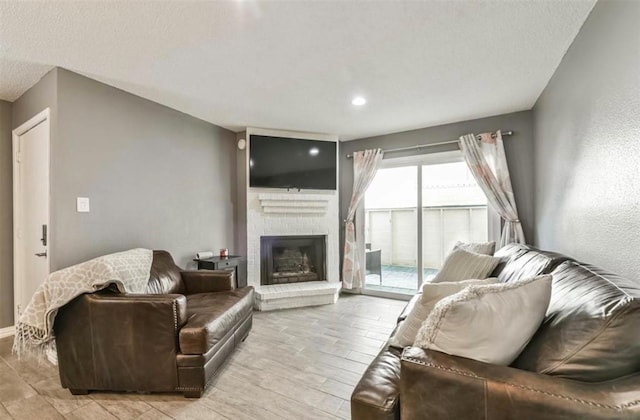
point(281, 162)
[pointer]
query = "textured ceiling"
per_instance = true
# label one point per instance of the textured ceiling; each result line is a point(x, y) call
point(297, 65)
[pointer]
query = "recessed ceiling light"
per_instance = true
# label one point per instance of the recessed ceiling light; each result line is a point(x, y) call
point(358, 101)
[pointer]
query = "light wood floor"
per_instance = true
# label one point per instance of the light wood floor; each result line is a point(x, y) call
point(295, 364)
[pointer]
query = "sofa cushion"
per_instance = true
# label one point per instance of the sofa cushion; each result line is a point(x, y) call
point(522, 262)
point(164, 277)
point(375, 397)
point(211, 316)
point(591, 331)
point(506, 254)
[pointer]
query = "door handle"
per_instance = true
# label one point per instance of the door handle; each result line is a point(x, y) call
point(44, 235)
point(41, 254)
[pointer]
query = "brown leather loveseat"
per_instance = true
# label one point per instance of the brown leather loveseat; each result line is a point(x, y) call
point(582, 363)
point(172, 339)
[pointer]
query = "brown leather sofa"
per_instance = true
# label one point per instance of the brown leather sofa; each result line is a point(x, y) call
point(171, 339)
point(583, 362)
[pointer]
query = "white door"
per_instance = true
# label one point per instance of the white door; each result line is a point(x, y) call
point(31, 208)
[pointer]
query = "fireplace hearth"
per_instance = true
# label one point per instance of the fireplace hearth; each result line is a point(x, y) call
point(292, 259)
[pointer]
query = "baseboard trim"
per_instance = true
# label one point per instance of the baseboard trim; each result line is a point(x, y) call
point(7, 331)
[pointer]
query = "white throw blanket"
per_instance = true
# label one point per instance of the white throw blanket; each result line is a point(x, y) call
point(128, 271)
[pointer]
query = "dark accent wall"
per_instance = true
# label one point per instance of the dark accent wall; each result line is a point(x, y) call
point(587, 144)
point(6, 217)
point(518, 148)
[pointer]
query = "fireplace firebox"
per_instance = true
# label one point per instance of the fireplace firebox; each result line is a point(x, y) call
point(292, 259)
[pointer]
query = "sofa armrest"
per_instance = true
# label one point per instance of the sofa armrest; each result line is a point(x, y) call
point(438, 385)
point(375, 397)
point(208, 281)
point(151, 308)
point(112, 341)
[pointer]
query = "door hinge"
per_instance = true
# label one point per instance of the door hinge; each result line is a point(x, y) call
point(19, 157)
point(19, 309)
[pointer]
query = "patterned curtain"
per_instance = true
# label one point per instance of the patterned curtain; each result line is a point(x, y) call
point(365, 165)
point(488, 164)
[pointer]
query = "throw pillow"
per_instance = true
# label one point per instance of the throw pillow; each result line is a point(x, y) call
point(487, 248)
point(406, 332)
point(464, 283)
point(490, 323)
point(465, 265)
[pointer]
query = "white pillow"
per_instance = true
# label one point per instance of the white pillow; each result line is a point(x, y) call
point(406, 332)
point(490, 323)
point(465, 265)
point(487, 248)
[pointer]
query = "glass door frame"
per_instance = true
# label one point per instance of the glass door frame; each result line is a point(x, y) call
point(493, 222)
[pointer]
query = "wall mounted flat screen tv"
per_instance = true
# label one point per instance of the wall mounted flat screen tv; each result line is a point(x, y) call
point(282, 162)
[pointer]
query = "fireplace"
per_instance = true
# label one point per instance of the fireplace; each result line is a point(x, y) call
point(292, 259)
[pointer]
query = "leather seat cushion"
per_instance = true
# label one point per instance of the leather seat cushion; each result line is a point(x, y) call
point(212, 316)
point(591, 331)
point(376, 395)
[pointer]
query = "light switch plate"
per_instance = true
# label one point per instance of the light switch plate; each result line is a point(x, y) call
point(82, 205)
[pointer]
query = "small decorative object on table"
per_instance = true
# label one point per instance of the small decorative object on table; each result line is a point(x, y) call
point(233, 263)
point(224, 252)
point(203, 255)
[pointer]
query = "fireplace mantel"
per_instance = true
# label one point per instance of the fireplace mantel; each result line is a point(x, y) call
point(292, 203)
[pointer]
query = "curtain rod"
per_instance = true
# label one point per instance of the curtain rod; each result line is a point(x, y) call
point(441, 143)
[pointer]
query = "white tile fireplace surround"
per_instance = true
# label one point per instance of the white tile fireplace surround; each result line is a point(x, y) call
point(293, 214)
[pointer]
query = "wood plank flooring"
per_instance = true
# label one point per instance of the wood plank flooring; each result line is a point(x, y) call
point(295, 364)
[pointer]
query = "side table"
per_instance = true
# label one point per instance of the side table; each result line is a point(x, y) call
point(233, 263)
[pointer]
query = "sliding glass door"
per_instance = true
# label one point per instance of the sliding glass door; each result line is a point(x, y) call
point(415, 210)
point(391, 207)
point(454, 208)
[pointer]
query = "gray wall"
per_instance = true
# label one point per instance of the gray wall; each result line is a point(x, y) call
point(156, 178)
point(6, 217)
point(518, 148)
point(40, 96)
point(587, 144)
